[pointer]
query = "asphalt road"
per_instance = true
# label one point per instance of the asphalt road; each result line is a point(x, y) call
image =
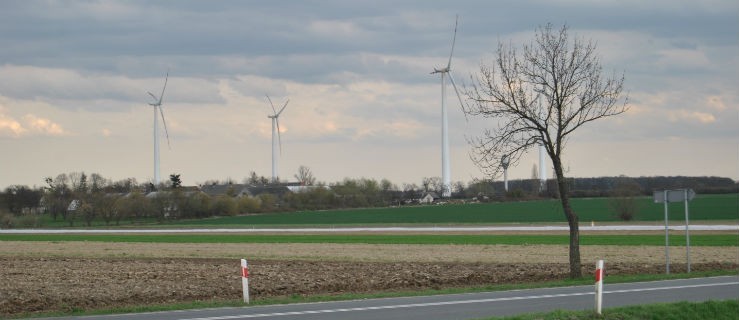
point(470, 306)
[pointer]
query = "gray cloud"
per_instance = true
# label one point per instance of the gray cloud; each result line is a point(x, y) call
point(357, 71)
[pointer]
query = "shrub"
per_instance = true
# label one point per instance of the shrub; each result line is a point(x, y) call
point(7, 221)
point(249, 205)
point(29, 220)
point(224, 205)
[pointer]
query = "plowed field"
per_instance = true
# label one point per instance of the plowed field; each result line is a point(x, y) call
point(41, 277)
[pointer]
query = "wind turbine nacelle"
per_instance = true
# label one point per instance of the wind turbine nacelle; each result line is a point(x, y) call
point(442, 70)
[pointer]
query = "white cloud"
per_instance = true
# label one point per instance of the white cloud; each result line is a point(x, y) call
point(10, 127)
point(691, 116)
point(43, 126)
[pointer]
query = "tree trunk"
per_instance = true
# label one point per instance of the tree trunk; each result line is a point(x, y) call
point(572, 220)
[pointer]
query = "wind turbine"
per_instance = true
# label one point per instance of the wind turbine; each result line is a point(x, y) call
point(445, 170)
point(157, 104)
point(276, 131)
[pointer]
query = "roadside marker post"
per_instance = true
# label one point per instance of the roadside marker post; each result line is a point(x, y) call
point(245, 279)
point(599, 286)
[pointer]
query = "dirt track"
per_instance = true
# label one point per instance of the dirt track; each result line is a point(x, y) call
point(45, 276)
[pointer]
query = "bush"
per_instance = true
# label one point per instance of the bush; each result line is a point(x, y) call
point(7, 221)
point(623, 201)
point(225, 206)
point(28, 220)
point(249, 205)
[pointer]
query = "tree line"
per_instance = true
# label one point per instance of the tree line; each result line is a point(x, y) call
point(81, 199)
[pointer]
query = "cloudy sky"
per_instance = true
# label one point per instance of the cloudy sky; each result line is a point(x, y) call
point(74, 77)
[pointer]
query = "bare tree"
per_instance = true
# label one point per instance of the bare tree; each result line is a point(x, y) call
point(542, 95)
point(305, 176)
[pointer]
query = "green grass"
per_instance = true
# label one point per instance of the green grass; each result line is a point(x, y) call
point(355, 296)
point(631, 240)
point(709, 310)
point(703, 207)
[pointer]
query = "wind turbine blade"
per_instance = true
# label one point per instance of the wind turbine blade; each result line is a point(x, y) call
point(454, 40)
point(165, 87)
point(270, 103)
point(153, 96)
point(283, 107)
point(451, 79)
point(161, 111)
point(279, 137)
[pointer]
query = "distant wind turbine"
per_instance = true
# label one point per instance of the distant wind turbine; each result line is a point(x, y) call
point(276, 131)
point(158, 105)
point(445, 170)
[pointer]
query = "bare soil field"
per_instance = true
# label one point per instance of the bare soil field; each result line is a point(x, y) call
point(50, 276)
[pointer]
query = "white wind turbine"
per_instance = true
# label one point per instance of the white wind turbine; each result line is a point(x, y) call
point(445, 170)
point(158, 105)
point(275, 131)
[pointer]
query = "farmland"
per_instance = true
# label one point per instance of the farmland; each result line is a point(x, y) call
point(69, 272)
point(703, 208)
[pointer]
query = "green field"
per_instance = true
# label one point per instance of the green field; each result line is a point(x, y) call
point(623, 240)
point(703, 207)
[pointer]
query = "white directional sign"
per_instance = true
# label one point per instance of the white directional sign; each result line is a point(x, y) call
point(673, 195)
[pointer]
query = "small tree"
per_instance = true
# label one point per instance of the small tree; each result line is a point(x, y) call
point(623, 199)
point(305, 176)
point(542, 96)
point(174, 179)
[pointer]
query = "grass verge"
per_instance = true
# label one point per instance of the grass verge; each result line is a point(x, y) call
point(358, 296)
point(709, 310)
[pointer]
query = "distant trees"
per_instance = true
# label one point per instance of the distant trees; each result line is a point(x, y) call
point(100, 200)
point(19, 199)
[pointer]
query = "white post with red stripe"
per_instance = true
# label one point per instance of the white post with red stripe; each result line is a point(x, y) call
point(245, 279)
point(598, 286)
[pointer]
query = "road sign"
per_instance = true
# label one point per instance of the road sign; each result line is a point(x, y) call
point(673, 195)
point(666, 196)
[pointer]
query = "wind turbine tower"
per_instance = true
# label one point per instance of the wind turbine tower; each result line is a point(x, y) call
point(444, 72)
point(542, 167)
point(275, 116)
point(157, 104)
point(542, 158)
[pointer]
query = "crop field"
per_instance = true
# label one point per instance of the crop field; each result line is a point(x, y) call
point(72, 272)
point(64, 273)
point(724, 207)
point(703, 207)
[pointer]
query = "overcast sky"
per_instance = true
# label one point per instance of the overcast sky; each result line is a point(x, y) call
point(74, 77)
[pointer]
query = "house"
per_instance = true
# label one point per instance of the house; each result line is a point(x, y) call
point(73, 205)
point(429, 198)
point(241, 190)
point(234, 190)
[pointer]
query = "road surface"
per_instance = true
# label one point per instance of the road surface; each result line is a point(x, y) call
point(469, 306)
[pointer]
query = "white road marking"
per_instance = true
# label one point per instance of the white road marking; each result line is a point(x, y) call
point(430, 304)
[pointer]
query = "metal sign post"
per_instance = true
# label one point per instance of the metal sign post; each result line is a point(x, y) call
point(687, 231)
point(667, 196)
point(667, 235)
